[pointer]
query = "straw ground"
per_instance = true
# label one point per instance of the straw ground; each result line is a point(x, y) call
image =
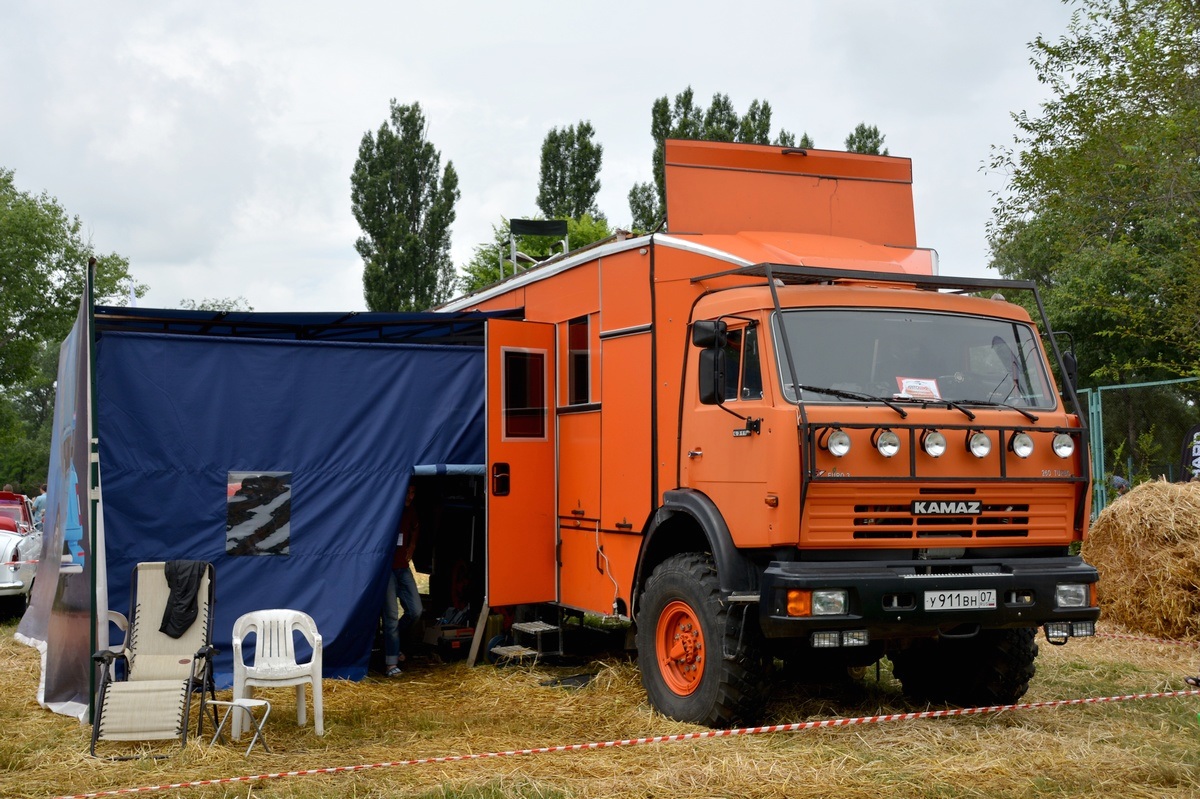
point(1143, 748)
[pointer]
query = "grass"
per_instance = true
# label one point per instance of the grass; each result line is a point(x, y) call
point(1129, 749)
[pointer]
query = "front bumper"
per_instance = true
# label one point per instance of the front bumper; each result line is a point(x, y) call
point(888, 598)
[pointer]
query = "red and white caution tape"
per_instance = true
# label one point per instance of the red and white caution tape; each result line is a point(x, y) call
point(1147, 640)
point(658, 739)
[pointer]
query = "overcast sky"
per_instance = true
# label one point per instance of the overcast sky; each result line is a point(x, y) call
point(212, 143)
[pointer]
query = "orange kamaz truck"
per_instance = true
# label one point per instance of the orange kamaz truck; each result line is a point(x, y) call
point(775, 437)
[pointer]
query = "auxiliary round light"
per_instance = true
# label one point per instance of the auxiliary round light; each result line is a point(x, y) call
point(1021, 445)
point(979, 443)
point(887, 442)
point(934, 443)
point(838, 443)
point(1063, 445)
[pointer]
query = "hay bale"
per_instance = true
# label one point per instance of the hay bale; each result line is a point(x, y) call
point(1146, 546)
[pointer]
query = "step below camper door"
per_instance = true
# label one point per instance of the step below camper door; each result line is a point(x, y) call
point(522, 520)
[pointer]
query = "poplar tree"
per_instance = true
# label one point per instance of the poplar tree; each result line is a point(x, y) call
point(570, 174)
point(404, 203)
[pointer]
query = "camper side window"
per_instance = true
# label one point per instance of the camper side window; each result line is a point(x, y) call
point(578, 362)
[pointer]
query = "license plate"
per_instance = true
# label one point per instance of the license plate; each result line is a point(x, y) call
point(981, 599)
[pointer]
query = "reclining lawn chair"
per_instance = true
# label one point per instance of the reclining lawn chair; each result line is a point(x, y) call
point(167, 655)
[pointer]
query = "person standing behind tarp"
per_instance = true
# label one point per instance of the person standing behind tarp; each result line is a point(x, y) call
point(402, 586)
point(39, 507)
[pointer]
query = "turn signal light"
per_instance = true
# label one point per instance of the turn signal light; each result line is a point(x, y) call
point(799, 603)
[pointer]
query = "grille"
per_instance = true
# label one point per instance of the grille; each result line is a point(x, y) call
point(898, 522)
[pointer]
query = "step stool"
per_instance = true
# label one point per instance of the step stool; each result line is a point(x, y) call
point(540, 632)
point(246, 706)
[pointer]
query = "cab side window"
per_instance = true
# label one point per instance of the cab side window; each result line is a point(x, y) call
point(752, 386)
point(743, 372)
point(733, 361)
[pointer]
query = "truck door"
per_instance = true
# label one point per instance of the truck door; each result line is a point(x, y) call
point(522, 518)
point(727, 462)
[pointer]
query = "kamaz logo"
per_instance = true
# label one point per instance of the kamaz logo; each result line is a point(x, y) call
point(922, 507)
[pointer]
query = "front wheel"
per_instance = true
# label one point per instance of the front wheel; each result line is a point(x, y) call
point(684, 632)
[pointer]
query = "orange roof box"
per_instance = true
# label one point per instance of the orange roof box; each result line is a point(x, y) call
point(722, 188)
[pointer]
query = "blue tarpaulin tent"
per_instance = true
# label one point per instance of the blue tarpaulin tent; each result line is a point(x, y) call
point(347, 420)
point(314, 422)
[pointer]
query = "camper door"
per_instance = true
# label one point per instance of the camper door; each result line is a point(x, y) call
point(521, 516)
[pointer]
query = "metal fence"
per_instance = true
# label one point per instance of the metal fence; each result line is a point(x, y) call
point(1138, 432)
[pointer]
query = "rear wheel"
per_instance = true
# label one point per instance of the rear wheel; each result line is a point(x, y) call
point(992, 668)
point(683, 633)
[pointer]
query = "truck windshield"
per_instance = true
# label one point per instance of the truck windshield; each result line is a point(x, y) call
point(911, 355)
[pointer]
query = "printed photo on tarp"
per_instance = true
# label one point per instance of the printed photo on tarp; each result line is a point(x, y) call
point(58, 622)
point(258, 513)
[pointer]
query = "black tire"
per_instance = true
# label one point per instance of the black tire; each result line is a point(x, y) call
point(12, 607)
point(992, 668)
point(700, 685)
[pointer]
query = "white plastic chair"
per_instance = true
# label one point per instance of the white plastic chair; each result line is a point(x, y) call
point(275, 663)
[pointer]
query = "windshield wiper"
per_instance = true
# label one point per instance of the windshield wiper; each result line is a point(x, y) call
point(854, 395)
point(940, 401)
point(989, 404)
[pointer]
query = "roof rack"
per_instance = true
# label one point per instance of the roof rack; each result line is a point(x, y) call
point(791, 274)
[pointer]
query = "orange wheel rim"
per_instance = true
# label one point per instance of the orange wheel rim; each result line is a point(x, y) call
point(679, 646)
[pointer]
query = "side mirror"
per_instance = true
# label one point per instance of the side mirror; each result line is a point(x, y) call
point(1070, 369)
point(708, 334)
point(712, 376)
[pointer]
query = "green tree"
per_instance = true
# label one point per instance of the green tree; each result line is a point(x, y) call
point(484, 267)
point(570, 174)
point(27, 421)
point(866, 139)
point(683, 119)
point(225, 304)
point(405, 209)
point(644, 208)
point(721, 122)
point(43, 262)
point(1104, 187)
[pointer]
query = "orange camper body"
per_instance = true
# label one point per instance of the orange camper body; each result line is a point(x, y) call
point(777, 431)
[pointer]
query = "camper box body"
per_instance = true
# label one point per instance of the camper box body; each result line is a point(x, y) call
point(655, 405)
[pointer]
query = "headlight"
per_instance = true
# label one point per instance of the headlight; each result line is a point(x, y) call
point(979, 443)
point(1063, 445)
point(828, 603)
point(887, 442)
point(1021, 445)
point(838, 443)
point(934, 443)
point(1071, 595)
